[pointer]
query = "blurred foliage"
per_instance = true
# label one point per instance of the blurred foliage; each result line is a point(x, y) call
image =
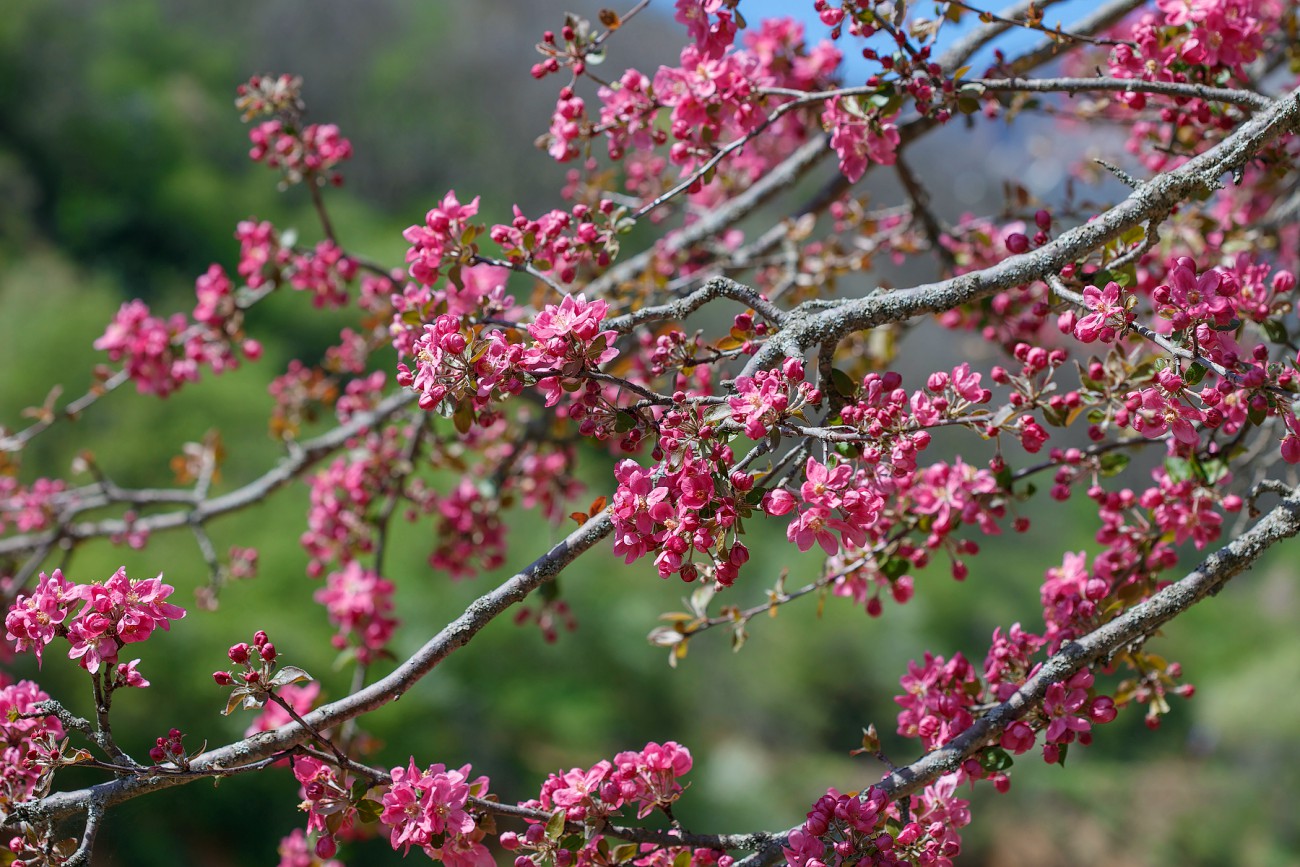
point(122, 175)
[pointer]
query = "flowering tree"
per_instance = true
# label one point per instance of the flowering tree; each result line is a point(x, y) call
point(1157, 322)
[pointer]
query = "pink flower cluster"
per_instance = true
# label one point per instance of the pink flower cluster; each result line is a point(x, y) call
point(323, 272)
point(825, 491)
point(265, 259)
point(28, 507)
point(710, 25)
point(466, 367)
point(936, 699)
point(568, 341)
point(428, 809)
point(867, 829)
point(113, 614)
point(310, 153)
point(360, 605)
point(711, 96)
point(679, 513)
point(446, 228)
point(559, 242)
point(765, 400)
point(1190, 41)
point(649, 778)
point(338, 524)
point(941, 698)
point(1139, 531)
point(327, 802)
point(859, 137)
point(1070, 711)
point(463, 371)
point(23, 741)
point(1218, 34)
point(161, 355)
point(471, 537)
point(546, 480)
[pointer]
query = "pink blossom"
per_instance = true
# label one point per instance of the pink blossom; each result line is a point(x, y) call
point(439, 236)
point(421, 805)
point(359, 603)
point(34, 621)
point(859, 138)
point(1158, 413)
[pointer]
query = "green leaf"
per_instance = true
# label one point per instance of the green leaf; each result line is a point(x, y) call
point(1179, 469)
point(624, 422)
point(369, 811)
point(1113, 463)
point(1274, 330)
point(1194, 374)
point(463, 418)
point(843, 383)
point(242, 695)
point(996, 759)
point(289, 674)
point(555, 825)
point(625, 852)
point(895, 568)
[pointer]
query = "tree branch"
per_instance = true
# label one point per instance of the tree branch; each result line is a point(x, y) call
point(302, 457)
point(387, 689)
point(1135, 625)
point(806, 326)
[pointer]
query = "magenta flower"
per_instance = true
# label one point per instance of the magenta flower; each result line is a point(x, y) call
point(1109, 314)
point(858, 138)
point(1158, 413)
point(420, 805)
point(33, 621)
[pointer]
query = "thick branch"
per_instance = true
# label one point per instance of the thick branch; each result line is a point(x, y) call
point(387, 689)
point(808, 325)
point(1135, 625)
point(680, 309)
point(1243, 98)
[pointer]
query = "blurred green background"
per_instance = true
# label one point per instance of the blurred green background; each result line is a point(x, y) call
point(123, 173)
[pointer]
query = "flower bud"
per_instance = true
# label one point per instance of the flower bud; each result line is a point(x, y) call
point(222, 678)
point(326, 848)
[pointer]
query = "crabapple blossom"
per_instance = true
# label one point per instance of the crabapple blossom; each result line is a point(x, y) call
point(661, 320)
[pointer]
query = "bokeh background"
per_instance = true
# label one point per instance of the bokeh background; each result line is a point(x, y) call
point(122, 175)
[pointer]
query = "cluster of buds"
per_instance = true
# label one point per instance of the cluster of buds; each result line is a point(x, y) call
point(170, 749)
point(259, 680)
point(269, 94)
